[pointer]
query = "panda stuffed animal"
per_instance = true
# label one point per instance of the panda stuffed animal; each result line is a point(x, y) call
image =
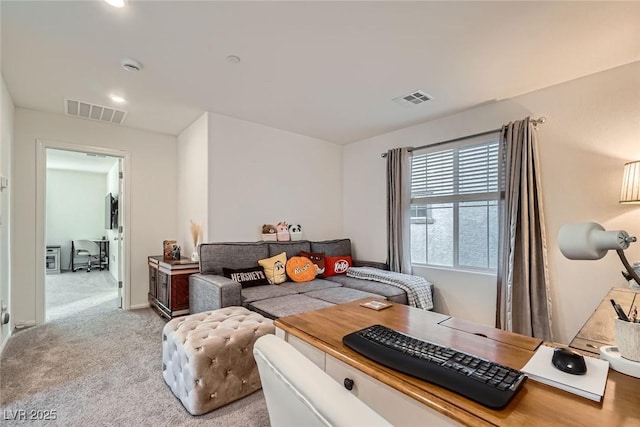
point(295, 231)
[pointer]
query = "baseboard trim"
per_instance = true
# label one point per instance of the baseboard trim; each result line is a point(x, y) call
point(139, 306)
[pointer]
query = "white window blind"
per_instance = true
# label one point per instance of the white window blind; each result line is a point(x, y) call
point(461, 173)
point(454, 202)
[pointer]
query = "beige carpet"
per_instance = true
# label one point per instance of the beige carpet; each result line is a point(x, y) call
point(102, 367)
point(69, 293)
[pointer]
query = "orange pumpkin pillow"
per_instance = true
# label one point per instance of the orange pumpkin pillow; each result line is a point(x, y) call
point(301, 269)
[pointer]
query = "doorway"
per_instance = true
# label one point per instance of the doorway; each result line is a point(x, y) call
point(82, 202)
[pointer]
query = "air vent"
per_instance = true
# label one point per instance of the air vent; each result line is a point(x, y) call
point(99, 113)
point(416, 97)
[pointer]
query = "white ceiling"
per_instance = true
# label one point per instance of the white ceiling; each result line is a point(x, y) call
point(76, 161)
point(325, 69)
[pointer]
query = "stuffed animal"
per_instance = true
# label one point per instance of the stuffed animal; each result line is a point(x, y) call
point(268, 229)
point(295, 231)
point(283, 231)
point(295, 228)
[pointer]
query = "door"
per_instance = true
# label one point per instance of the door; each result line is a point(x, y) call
point(120, 231)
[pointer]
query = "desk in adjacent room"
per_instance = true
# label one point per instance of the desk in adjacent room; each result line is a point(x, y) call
point(103, 244)
point(404, 400)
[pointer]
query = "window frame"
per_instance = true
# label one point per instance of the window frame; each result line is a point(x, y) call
point(455, 199)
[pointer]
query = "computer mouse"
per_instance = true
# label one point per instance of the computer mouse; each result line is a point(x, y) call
point(569, 361)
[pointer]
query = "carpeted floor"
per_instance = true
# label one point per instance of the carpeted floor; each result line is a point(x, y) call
point(101, 366)
point(69, 293)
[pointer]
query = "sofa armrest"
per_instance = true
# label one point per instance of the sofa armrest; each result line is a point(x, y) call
point(374, 264)
point(210, 292)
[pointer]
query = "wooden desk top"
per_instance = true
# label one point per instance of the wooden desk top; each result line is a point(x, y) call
point(535, 405)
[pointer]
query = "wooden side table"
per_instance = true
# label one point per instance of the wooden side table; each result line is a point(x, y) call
point(600, 329)
point(169, 285)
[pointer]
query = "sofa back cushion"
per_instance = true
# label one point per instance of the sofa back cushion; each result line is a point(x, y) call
point(216, 256)
point(291, 248)
point(338, 247)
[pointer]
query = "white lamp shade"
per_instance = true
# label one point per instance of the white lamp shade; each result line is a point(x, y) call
point(630, 192)
point(589, 240)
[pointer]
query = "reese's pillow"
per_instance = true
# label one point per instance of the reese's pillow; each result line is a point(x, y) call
point(301, 269)
point(274, 268)
point(318, 259)
point(334, 265)
point(247, 277)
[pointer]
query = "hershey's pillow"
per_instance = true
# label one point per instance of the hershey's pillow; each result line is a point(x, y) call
point(334, 265)
point(247, 277)
point(274, 268)
point(318, 259)
point(301, 269)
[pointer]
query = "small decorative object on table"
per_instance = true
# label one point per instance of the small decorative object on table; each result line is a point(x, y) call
point(196, 232)
point(376, 305)
point(169, 249)
point(269, 233)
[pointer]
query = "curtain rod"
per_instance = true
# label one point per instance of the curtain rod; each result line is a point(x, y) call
point(534, 121)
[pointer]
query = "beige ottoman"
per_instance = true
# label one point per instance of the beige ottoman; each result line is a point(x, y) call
point(207, 358)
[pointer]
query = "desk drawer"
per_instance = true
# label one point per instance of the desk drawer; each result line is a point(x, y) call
point(394, 406)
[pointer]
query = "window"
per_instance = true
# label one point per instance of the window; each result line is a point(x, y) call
point(454, 204)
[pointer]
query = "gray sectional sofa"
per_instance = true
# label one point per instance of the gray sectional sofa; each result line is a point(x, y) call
point(210, 290)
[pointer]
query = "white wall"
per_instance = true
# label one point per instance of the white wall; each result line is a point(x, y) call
point(7, 112)
point(259, 174)
point(152, 192)
point(113, 187)
point(74, 209)
point(593, 128)
point(193, 194)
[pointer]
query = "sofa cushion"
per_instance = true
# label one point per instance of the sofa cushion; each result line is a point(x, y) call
point(256, 293)
point(247, 277)
point(332, 247)
point(287, 305)
point(216, 256)
point(275, 268)
point(341, 295)
point(317, 258)
point(334, 265)
point(290, 248)
point(314, 285)
point(392, 293)
point(301, 269)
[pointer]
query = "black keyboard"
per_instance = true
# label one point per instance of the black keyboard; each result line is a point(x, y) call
point(483, 381)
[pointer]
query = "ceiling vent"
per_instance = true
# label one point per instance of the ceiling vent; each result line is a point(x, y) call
point(85, 110)
point(414, 98)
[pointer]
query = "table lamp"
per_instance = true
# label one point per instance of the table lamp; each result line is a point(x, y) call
point(590, 241)
point(630, 191)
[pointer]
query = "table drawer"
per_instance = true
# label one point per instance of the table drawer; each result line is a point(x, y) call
point(394, 406)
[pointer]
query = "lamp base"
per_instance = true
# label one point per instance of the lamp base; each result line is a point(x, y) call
point(617, 362)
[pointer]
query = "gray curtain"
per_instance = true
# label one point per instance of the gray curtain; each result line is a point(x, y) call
point(523, 277)
point(398, 210)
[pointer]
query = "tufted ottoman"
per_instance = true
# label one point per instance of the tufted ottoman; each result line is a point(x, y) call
point(207, 358)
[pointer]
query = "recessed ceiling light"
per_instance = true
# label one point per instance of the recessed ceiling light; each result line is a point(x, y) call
point(115, 3)
point(118, 99)
point(233, 59)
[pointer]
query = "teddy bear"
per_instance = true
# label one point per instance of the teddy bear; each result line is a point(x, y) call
point(283, 231)
point(268, 229)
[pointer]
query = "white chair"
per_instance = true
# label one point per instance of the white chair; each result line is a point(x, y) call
point(88, 251)
point(298, 393)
